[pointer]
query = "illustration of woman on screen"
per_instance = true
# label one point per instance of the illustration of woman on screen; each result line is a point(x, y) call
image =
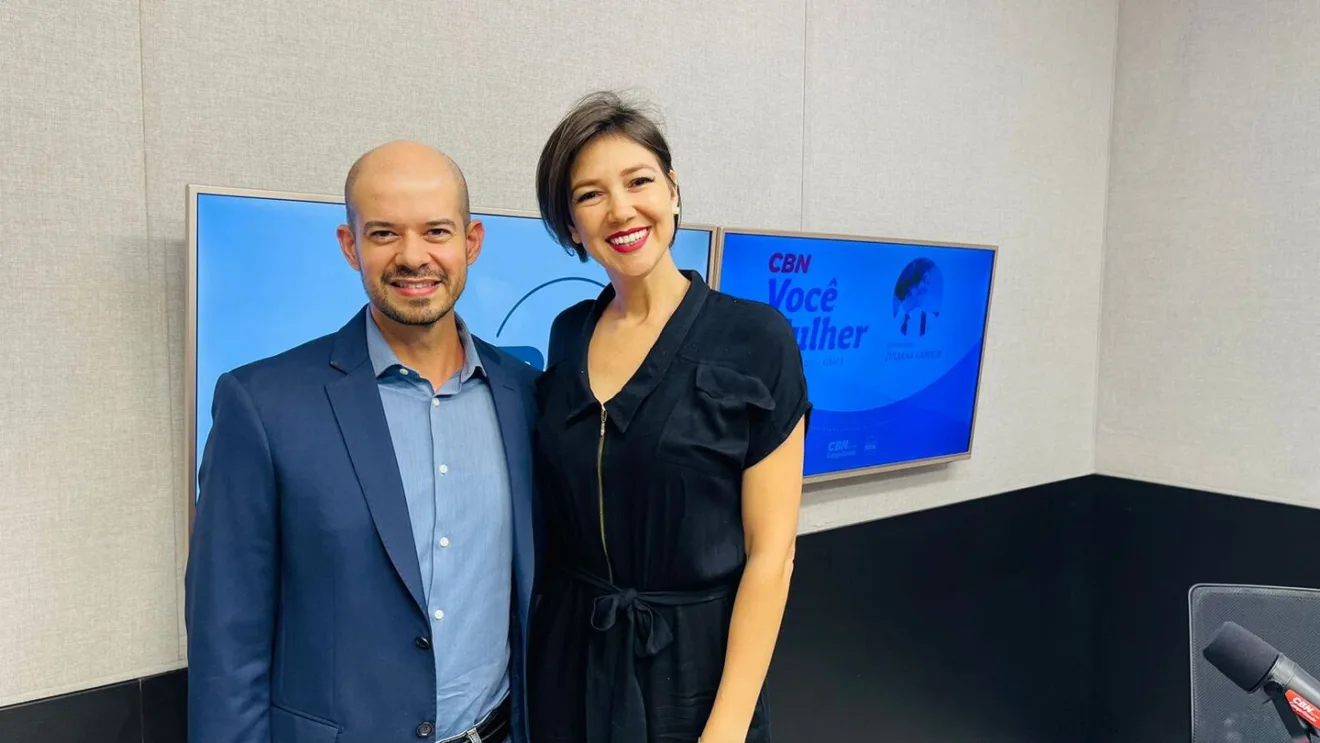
point(669, 455)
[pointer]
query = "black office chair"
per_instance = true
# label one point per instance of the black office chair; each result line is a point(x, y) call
point(1286, 618)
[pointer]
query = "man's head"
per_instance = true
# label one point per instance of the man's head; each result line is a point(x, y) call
point(410, 232)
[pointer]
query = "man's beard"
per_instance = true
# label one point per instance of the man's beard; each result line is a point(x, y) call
point(421, 311)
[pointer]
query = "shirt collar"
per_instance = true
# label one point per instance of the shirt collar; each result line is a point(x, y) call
point(383, 358)
point(656, 364)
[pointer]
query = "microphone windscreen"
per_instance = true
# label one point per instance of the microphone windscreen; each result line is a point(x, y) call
point(1241, 656)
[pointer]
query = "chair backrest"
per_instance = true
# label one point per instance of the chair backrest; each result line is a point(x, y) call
point(1287, 618)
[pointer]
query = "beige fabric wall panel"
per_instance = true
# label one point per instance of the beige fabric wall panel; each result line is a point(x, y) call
point(981, 122)
point(1210, 344)
point(87, 553)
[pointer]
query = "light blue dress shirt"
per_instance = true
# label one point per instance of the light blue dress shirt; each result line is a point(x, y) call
point(456, 479)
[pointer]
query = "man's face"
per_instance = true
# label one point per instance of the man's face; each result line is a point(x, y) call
point(409, 243)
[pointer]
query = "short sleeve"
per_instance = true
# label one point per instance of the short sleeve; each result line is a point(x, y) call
point(779, 366)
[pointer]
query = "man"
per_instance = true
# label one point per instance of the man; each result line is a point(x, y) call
point(362, 558)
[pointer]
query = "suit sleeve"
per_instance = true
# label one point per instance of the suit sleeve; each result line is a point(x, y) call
point(231, 578)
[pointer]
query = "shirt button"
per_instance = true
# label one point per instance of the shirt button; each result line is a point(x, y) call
point(435, 402)
point(444, 469)
point(444, 541)
point(439, 614)
point(425, 730)
point(404, 372)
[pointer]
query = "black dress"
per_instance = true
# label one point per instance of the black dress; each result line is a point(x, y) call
point(642, 509)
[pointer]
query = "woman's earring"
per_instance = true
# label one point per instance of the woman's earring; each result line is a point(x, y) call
point(676, 209)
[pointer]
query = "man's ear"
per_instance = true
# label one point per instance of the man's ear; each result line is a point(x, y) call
point(348, 246)
point(476, 233)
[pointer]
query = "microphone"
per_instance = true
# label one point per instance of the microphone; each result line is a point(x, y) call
point(1254, 664)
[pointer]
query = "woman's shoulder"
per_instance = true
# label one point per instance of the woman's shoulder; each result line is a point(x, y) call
point(743, 330)
point(573, 315)
point(566, 331)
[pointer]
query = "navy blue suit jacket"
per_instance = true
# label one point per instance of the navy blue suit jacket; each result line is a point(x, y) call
point(304, 603)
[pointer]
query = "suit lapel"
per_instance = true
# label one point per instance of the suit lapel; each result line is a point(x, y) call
point(361, 417)
point(511, 410)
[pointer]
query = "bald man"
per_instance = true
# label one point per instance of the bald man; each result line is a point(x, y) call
point(362, 560)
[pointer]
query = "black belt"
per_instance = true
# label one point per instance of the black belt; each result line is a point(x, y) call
point(495, 728)
point(627, 627)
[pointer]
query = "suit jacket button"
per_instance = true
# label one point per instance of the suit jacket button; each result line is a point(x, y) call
point(422, 643)
point(425, 730)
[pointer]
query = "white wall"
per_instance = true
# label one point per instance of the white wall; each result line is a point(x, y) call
point(1210, 342)
point(978, 122)
point(87, 460)
point(982, 122)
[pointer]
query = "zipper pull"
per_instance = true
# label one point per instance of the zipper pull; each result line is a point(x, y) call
point(602, 420)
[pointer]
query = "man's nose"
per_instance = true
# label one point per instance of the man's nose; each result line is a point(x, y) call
point(415, 252)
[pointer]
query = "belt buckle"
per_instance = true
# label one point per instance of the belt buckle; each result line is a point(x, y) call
point(473, 736)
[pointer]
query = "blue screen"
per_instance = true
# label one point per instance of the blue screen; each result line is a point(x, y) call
point(248, 308)
point(891, 337)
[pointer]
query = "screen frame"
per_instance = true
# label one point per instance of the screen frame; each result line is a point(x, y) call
point(859, 472)
point(194, 192)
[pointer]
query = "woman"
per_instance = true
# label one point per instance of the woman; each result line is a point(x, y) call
point(669, 455)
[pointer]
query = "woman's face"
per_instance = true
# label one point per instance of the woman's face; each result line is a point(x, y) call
point(623, 205)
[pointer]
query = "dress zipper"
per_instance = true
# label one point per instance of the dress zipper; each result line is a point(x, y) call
point(600, 492)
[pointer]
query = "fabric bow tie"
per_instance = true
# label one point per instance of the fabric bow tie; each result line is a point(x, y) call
point(651, 633)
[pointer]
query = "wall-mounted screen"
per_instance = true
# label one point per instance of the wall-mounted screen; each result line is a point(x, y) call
point(266, 274)
point(892, 336)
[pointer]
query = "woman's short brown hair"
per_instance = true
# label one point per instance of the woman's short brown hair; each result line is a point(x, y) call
point(596, 114)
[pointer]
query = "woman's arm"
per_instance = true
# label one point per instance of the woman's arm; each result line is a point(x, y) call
point(772, 494)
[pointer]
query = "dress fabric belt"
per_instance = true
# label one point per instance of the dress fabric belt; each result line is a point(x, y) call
point(627, 627)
